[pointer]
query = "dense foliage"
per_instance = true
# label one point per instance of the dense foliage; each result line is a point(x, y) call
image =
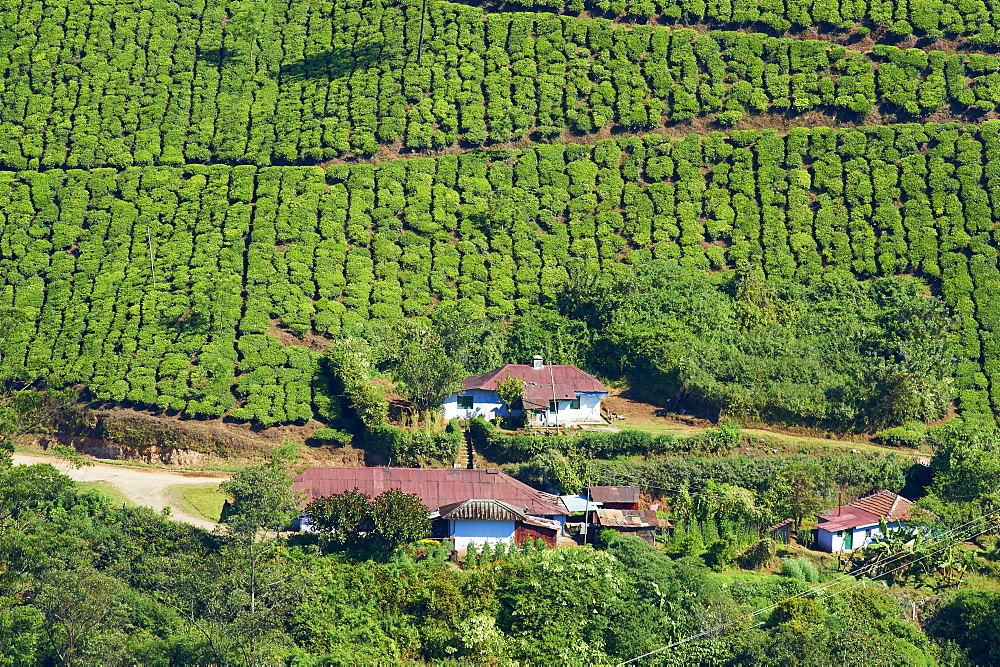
point(973, 21)
point(121, 83)
point(87, 583)
point(240, 255)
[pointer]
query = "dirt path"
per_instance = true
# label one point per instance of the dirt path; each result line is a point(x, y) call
point(143, 487)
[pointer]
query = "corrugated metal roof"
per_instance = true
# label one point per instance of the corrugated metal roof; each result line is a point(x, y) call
point(614, 494)
point(434, 486)
point(482, 510)
point(543, 523)
point(850, 517)
point(576, 504)
point(627, 518)
point(780, 524)
point(541, 385)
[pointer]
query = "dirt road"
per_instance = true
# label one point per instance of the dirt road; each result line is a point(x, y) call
point(143, 487)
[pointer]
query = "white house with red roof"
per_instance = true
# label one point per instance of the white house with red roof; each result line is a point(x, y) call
point(856, 525)
point(554, 394)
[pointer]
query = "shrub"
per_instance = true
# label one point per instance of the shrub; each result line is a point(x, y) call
point(910, 434)
point(801, 569)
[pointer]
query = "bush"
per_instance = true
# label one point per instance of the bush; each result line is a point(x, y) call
point(758, 555)
point(332, 435)
point(801, 569)
point(910, 434)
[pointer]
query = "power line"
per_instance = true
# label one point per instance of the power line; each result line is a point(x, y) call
point(964, 527)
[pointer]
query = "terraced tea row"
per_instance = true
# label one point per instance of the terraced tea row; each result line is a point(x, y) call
point(973, 20)
point(164, 286)
point(92, 84)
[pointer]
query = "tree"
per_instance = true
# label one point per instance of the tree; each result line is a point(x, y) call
point(262, 499)
point(425, 374)
point(804, 499)
point(347, 370)
point(366, 527)
point(78, 606)
point(342, 519)
point(262, 496)
point(247, 24)
point(510, 390)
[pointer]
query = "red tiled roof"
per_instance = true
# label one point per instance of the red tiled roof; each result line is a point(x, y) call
point(614, 494)
point(885, 504)
point(541, 385)
point(434, 486)
point(867, 511)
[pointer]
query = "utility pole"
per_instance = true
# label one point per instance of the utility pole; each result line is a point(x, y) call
point(555, 401)
point(420, 42)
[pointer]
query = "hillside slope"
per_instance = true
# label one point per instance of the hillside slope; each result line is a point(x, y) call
point(163, 285)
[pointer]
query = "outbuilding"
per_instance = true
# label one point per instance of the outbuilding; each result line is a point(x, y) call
point(642, 523)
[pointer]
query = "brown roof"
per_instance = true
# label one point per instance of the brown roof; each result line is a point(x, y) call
point(482, 510)
point(780, 524)
point(614, 494)
point(867, 511)
point(627, 518)
point(849, 517)
point(435, 486)
point(553, 381)
point(885, 504)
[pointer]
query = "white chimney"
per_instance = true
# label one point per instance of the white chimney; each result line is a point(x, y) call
point(536, 362)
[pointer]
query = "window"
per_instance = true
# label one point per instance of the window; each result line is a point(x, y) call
point(552, 406)
point(465, 402)
point(575, 403)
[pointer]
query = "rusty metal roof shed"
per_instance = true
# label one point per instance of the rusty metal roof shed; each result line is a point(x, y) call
point(627, 518)
point(434, 486)
point(614, 494)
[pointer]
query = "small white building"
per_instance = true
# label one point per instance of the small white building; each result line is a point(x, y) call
point(480, 522)
point(554, 394)
point(855, 526)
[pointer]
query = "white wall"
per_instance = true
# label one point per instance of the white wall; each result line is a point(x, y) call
point(863, 536)
point(480, 532)
point(829, 542)
point(487, 405)
point(589, 412)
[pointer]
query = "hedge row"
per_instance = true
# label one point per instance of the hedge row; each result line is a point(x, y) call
point(175, 83)
point(974, 20)
point(241, 256)
point(500, 447)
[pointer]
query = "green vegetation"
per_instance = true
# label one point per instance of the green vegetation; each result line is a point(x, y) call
point(122, 84)
point(89, 581)
point(109, 492)
point(973, 21)
point(205, 213)
point(778, 228)
point(204, 500)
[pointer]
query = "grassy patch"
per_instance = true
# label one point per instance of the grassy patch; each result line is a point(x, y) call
point(204, 500)
point(115, 497)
